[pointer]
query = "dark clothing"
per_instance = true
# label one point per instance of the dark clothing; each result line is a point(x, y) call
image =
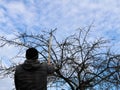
point(32, 75)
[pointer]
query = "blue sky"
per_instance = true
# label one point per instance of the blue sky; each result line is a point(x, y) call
point(65, 15)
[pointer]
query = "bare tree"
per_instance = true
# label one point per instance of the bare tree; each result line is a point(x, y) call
point(81, 63)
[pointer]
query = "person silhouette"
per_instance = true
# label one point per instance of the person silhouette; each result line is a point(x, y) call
point(32, 75)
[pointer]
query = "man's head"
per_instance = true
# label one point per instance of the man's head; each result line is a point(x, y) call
point(31, 54)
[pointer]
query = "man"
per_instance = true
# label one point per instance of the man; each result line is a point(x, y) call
point(32, 75)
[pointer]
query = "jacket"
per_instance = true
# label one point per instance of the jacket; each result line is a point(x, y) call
point(32, 75)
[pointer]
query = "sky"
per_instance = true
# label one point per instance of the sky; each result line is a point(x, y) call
point(65, 15)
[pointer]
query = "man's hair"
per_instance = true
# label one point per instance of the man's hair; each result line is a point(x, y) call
point(32, 53)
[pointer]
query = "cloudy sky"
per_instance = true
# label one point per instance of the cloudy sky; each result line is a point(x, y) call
point(65, 15)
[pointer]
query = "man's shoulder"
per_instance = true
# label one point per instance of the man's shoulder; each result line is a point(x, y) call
point(18, 67)
point(44, 63)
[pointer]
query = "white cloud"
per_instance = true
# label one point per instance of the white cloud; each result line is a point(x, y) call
point(64, 14)
point(6, 84)
point(8, 52)
point(19, 11)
